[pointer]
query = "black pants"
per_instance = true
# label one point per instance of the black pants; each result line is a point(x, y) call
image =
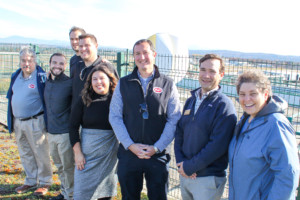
point(131, 171)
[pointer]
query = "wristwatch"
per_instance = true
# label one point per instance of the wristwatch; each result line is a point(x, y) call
point(156, 149)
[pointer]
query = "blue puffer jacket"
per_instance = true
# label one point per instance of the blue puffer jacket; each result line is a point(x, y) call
point(41, 78)
point(263, 159)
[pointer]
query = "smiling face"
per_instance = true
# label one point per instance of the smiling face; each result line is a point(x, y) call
point(27, 64)
point(74, 40)
point(144, 59)
point(210, 75)
point(252, 99)
point(58, 65)
point(88, 49)
point(100, 82)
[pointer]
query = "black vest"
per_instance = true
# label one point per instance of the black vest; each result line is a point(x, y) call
point(145, 131)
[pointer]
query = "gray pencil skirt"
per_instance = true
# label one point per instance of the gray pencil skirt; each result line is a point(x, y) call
point(98, 178)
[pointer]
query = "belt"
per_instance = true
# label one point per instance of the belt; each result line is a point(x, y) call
point(32, 117)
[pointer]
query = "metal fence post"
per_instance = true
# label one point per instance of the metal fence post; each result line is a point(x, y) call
point(120, 62)
point(36, 49)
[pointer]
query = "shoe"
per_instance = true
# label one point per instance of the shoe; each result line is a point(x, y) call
point(42, 190)
point(24, 188)
point(58, 197)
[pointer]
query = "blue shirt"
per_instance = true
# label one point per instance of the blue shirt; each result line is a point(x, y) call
point(26, 100)
point(116, 116)
point(145, 81)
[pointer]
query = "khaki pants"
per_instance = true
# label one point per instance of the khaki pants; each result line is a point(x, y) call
point(208, 188)
point(63, 157)
point(31, 137)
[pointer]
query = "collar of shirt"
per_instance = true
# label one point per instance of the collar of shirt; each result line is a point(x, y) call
point(197, 93)
point(55, 78)
point(145, 81)
point(199, 99)
point(29, 77)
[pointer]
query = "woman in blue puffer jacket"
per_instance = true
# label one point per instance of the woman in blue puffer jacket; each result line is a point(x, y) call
point(263, 155)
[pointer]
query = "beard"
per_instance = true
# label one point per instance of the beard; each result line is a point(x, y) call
point(55, 73)
point(76, 50)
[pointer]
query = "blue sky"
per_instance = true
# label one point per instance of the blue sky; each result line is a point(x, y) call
point(268, 26)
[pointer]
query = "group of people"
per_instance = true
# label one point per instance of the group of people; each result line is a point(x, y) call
point(102, 129)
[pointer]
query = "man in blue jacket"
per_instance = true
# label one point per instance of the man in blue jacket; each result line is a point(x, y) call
point(26, 118)
point(203, 134)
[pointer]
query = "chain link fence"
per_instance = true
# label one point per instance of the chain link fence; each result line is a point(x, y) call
point(284, 77)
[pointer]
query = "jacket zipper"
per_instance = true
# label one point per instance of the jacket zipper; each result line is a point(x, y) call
point(143, 123)
point(234, 153)
point(200, 107)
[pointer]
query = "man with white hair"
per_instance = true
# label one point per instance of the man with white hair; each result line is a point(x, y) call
point(26, 118)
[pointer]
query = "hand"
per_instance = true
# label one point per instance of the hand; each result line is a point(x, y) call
point(150, 151)
point(139, 150)
point(104, 60)
point(79, 160)
point(79, 157)
point(193, 176)
point(182, 173)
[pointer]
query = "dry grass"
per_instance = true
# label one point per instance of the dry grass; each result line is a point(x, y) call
point(12, 174)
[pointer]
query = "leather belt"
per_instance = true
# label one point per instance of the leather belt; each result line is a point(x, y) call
point(32, 117)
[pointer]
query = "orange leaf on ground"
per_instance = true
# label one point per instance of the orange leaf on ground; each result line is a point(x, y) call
point(7, 180)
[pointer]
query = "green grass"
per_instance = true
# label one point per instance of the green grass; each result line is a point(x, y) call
point(12, 174)
point(4, 85)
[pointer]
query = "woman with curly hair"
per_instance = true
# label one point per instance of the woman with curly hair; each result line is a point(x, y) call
point(263, 155)
point(95, 149)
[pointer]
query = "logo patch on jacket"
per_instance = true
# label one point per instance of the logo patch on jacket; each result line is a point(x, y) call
point(157, 90)
point(187, 112)
point(31, 86)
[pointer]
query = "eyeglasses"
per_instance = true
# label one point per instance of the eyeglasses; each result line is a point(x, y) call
point(144, 108)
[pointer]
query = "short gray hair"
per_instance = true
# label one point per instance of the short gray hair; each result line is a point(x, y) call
point(28, 51)
point(254, 76)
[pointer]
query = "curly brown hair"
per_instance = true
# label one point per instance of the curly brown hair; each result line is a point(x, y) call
point(254, 76)
point(87, 91)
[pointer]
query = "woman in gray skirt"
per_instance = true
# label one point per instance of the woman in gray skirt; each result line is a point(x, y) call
point(95, 149)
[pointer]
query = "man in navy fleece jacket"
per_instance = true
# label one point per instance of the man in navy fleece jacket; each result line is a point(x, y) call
point(203, 134)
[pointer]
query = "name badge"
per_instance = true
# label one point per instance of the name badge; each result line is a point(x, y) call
point(187, 112)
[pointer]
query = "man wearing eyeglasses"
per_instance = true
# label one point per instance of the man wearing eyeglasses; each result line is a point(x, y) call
point(88, 48)
point(26, 117)
point(144, 111)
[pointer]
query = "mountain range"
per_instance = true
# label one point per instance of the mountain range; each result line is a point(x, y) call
point(25, 40)
point(238, 54)
point(223, 53)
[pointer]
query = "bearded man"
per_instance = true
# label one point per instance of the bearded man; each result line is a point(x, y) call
point(58, 98)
